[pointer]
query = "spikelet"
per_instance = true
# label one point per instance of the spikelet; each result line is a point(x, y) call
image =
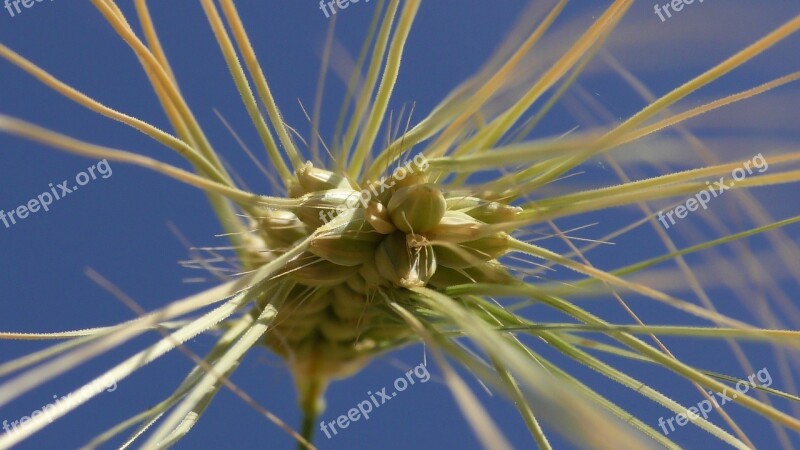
point(489, 272)
point(378, 216)
point(372, 278)
point(483, 210)
point(455, 227)
point(282, 228)
point(404, 265)
point(319, 208)
point(348, 304)
point(337, 330)
point(304, 302)
point(472, 253)
point(312, 179)
point(417, 208)
point(351, 244)
point(311, 270)
point(358, 283)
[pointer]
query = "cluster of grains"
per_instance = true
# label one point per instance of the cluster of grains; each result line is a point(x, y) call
point(372, 250)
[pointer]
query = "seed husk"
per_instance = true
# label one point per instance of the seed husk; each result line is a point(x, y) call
point(326, 359)
point(349, 245)
point(472, 253)
point(411, 178)
point(371, 276)
point(378, 216)
point(318, 208)
point(312, 179)
point(311, 270)
point(357, 283)
point(348, 304)
point(455, 227)
point(342, 330)
point(304, 301)
point(417, 208)
point(490, 272)
point(282, 227)
point(403, 265)
point(483, 210)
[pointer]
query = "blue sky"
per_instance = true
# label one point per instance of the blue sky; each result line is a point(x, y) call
point(122, 226)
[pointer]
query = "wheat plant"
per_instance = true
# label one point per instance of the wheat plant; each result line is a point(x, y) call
point(446, 229)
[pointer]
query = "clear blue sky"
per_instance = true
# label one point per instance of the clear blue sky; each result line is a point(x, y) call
point(119, 225)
